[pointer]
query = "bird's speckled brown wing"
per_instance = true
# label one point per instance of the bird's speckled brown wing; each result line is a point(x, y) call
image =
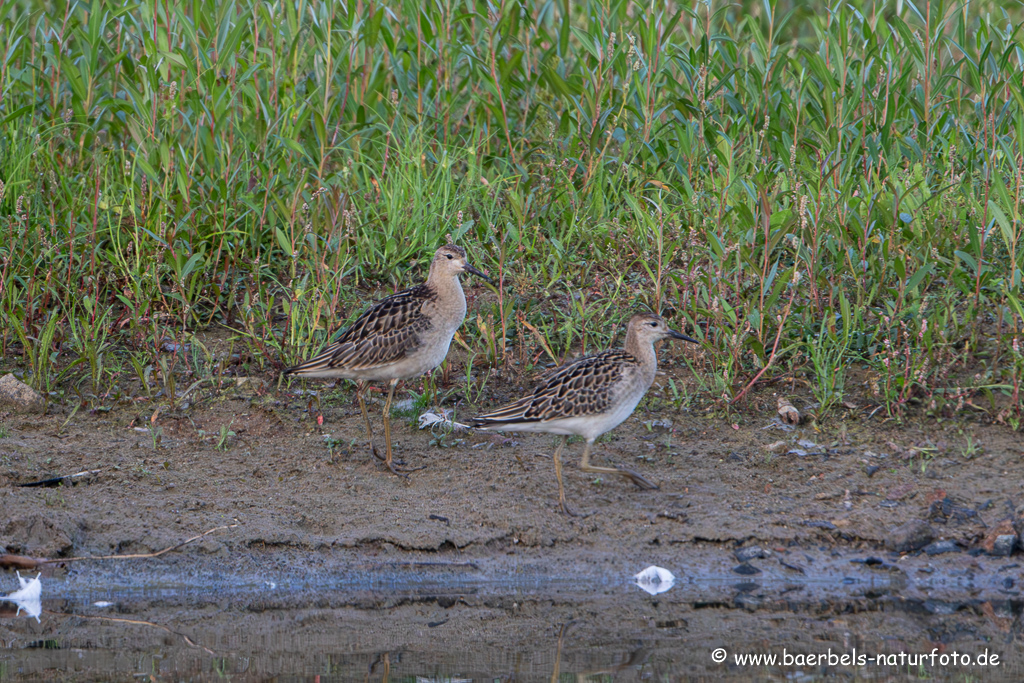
point(385, 333)
point(582, 387)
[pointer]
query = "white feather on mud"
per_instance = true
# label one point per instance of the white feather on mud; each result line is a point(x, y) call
point(28, 596)
point(443, 419)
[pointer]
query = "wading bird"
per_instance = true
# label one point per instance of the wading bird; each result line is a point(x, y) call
point(400, 337)
point(590, 396)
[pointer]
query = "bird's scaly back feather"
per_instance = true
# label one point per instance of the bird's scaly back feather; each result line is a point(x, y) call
point(385, 333)
point(582, 387)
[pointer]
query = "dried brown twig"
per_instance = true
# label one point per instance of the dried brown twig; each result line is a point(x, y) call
point(25, 562)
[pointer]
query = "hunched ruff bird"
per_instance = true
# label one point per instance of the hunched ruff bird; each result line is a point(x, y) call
point(399, 337)
point(590, 396)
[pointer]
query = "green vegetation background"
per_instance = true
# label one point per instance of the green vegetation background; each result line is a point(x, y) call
point(832, 191)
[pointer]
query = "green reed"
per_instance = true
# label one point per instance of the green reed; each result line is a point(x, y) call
point(748, 167)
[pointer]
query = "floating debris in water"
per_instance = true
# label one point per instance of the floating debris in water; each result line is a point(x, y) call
point(655, 580)
point(27, 597)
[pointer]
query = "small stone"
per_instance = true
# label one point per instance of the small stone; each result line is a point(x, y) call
point(1001, 539)
point(910, 537)
point(775, 447)
point(871, 469)
point(661, 426)
point(874, 563)
point(820, 524)
point(753, 552)
point(788, 412)
point(746, 569)
point(20, 397)
point(940, 547)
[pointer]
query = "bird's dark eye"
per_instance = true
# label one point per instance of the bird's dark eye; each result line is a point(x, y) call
point(449, 256)
point(653, 324)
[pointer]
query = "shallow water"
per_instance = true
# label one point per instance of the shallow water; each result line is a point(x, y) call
point(469, 620)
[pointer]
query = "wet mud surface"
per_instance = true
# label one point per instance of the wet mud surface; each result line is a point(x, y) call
point(872, 534)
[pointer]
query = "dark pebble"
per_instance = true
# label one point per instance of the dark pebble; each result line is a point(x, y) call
point(872, 469)
point(909, 537)
point(940, 547)
point(873, 562)
point(746, 569)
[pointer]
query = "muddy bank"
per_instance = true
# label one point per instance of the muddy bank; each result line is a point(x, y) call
point(871, 533)
point(260, 457)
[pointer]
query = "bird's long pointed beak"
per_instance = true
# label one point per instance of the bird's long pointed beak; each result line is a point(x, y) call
point(680, 335)
point(470, 269)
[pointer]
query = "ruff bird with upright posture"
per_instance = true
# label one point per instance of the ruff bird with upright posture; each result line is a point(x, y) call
point(400, 337)
point(590, 396)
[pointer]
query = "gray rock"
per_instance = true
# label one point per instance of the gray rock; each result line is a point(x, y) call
point(1001, 539)
point(752, 553)
point(940, 547)
point(1003, 545)
point(910, 536)
point(20, 397)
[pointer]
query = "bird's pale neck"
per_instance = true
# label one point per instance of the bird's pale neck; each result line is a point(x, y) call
point(642, 348)
point(443, 281)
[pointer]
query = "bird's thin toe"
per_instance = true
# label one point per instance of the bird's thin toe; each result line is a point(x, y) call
point(638, 479)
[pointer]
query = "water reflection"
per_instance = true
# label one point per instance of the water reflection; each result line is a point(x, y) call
point(528, 631)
